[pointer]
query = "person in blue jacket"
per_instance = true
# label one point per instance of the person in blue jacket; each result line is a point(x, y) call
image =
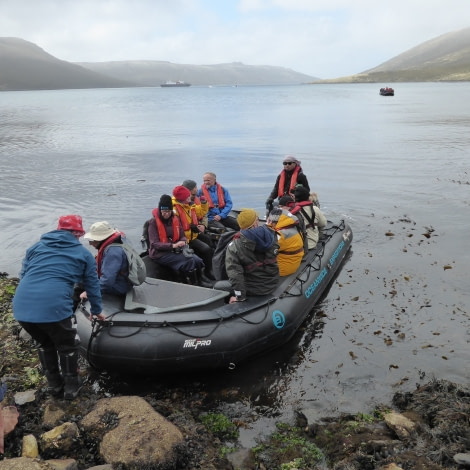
point(111, 260)
point(220, 203)
point(44, 300)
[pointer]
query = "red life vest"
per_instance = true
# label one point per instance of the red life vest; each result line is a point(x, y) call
point(103, 246)
point(183, 215)
point(298, 208)
point(220, 196)
point(161, 227)
point(293, 181)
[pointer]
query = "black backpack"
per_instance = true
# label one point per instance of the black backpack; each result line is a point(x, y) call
point(218, 258)
point(144, 239)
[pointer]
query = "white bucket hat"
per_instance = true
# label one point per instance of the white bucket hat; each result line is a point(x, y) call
point(99, 231)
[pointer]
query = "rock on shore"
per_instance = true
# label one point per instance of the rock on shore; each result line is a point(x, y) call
point(427, 429)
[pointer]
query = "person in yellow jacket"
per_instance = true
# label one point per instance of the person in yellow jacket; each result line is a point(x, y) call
point(291, 244)
point(190, 215)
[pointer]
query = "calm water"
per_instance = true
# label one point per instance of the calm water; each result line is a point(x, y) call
point(395, 167)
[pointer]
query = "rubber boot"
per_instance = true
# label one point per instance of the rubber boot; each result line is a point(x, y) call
point(50, 366)
point(205, 281)
point(191, 277)
point(73, 382)
point(202, 280)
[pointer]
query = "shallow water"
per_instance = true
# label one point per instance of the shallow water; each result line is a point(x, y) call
point(395, 167)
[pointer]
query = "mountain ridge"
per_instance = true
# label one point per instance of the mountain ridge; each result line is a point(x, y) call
point(443, 58)
point(156, 72)
point(25, 66)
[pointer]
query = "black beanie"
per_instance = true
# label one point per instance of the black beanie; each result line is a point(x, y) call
point(301, 193)
point(165, 203)
point(286, 201)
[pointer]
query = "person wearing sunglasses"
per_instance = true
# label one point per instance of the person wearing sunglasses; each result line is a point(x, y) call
point(290, 176)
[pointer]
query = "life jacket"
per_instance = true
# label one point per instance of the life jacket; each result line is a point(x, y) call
point(220, 196)
point(291, 244)
point(293, 181)
point(102, 249)
point(184, 216)
point(299, 207)
point(161, 227)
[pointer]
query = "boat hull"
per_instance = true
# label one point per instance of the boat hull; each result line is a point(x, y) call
point(166, 327)
point(175, 85)
point(387, 92)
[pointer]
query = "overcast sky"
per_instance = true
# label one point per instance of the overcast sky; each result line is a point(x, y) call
point(321, 38)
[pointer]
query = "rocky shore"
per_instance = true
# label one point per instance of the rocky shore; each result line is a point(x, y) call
point(428, 428)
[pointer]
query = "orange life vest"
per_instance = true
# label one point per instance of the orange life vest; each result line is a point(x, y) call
point(161, 227)
point(293, 181)
point(184, 216)
point(220, 196)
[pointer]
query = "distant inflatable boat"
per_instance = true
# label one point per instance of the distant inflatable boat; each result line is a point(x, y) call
point(168, 327)
point(387, 91)
point(169, 84)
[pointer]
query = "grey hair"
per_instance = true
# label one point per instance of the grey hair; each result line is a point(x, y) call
point(189, 184)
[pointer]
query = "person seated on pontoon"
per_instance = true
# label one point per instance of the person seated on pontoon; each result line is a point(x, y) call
point(168, 243)
point(291, 243)
point(313, 217)
point(251, 260)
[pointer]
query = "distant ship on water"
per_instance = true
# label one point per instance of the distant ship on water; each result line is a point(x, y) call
point(178, 83)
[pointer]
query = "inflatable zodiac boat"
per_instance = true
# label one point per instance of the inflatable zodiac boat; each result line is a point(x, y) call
point(168, 327)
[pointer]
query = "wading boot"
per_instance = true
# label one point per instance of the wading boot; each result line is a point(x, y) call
point(204, 280)
point(50, 366)
point(73, 382)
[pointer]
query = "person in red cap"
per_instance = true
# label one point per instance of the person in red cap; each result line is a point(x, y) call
point(43, 302)
point(190, 214)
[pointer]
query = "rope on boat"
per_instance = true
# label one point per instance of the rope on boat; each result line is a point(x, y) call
point(299, 280)
point(99, 325)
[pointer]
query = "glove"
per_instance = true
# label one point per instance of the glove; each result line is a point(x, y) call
point(269, 203)
point(203, 199)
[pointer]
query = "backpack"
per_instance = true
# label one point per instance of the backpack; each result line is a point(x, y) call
point(137, 269)
point(218, 258)
point(144, 240)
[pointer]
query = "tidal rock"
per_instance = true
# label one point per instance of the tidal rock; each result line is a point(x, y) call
point(61, 438)
point(401, 425)
point(29, 447)
point(134, 434)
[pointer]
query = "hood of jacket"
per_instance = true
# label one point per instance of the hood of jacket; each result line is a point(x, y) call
point(59, 239)
point(262, 237)
point(286, 219)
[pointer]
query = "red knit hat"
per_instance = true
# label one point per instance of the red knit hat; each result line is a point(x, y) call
point(72, 223)
point(181, 193)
